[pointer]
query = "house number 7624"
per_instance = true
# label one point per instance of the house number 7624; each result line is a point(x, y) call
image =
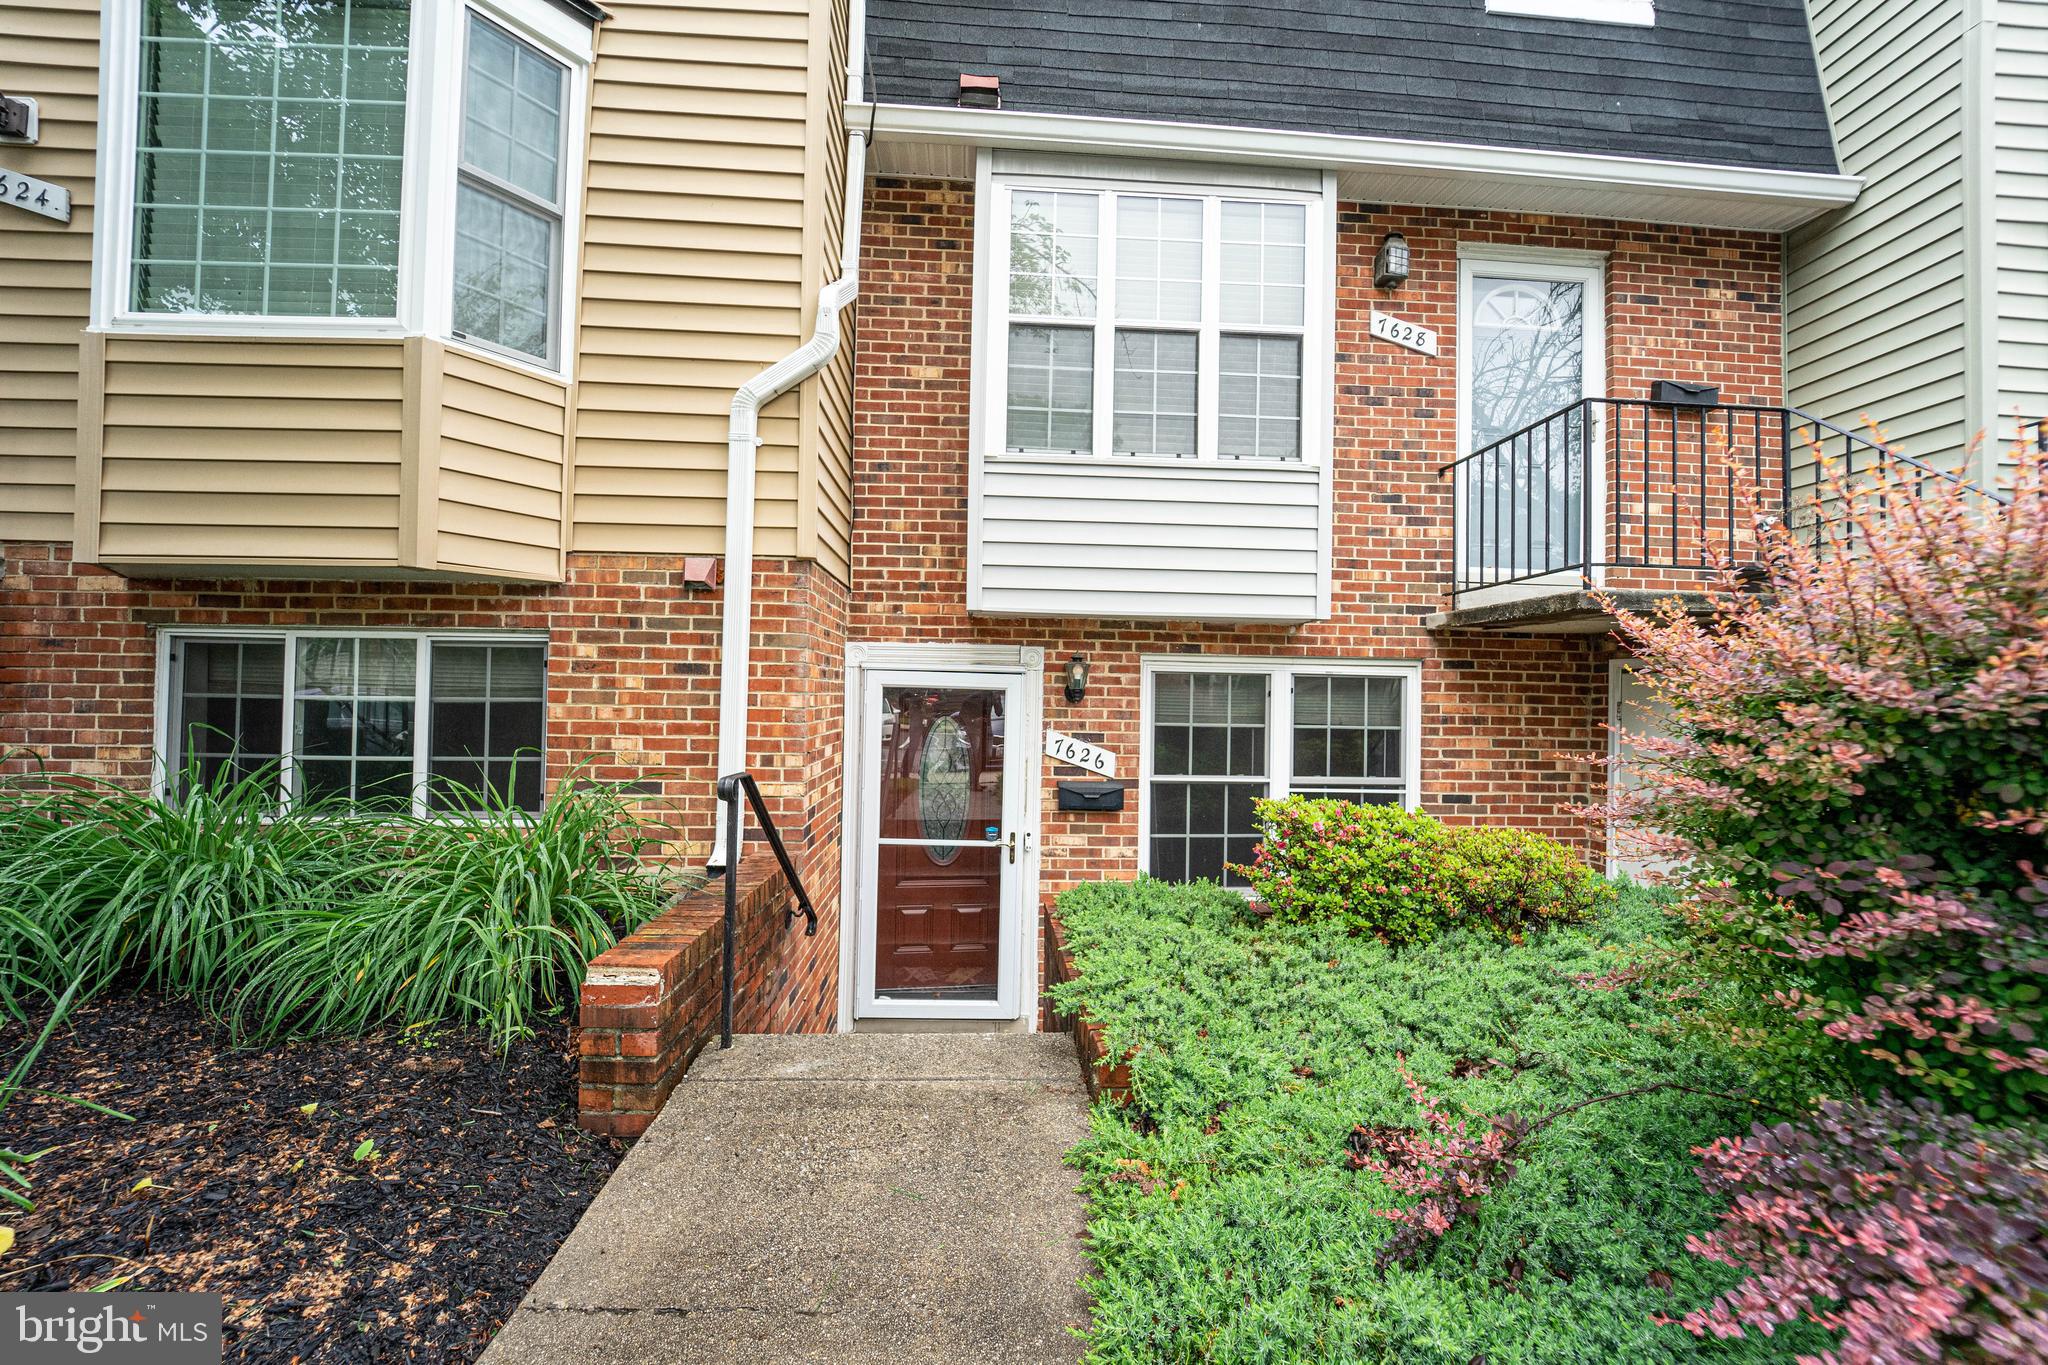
point(36, 196)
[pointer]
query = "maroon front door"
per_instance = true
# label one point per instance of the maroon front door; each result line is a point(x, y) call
point(941, 843)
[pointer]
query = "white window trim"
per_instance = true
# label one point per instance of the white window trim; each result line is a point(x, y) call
point(990, 376)
point(1280, 673)
point(426, 248)
point(1641, 13)
point(160, 769)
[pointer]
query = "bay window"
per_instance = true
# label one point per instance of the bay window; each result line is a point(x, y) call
point(1222, 733)
point(327, 167)
point(1151, 323)
point(426, 722)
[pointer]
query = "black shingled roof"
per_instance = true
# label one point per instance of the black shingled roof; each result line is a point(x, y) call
point(1725, 81)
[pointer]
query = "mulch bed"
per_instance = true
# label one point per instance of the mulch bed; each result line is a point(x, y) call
point(418, 1252)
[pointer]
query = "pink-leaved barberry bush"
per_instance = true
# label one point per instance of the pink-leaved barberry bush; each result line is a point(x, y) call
point(1854, 783)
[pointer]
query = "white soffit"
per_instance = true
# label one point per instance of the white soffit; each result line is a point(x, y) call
point(938, 142)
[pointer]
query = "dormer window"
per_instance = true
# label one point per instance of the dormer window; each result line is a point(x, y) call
point(1642, 13)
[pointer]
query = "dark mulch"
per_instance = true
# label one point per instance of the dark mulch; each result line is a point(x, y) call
point(418, 1253)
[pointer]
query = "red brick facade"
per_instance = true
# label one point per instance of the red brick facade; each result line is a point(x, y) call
point(632, 688)
point(633, 671)
point(1500, 714)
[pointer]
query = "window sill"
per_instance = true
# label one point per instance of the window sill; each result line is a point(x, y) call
point(247, 328)
point(1206, 464)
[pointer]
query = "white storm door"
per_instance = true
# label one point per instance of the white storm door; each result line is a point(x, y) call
point(943, 845)
point(1532, 347)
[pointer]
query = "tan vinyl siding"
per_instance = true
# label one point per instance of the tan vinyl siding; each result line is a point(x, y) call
point(1875, 294)
point(2019, 184)
point(250, 452)
point(50, 51)
point(715, 155)
point(501, 463)
point(693, 273)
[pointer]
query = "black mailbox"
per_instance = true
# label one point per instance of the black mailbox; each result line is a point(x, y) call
point(1091, 796)
point(1682, 392)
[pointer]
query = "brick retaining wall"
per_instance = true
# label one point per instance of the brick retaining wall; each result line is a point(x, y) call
point(651, 1003)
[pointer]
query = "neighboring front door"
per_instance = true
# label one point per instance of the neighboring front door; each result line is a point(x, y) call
point(1532, 349)
point(944, 844)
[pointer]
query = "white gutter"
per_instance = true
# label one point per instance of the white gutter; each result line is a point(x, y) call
point(1466, 175)
point(743, 440)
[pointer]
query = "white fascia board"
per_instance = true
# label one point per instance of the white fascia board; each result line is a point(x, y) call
point(1450, 175)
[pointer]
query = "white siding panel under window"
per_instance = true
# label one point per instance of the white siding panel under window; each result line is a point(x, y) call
point(2019, 177)
point(1876, 320)
point(1209, 543)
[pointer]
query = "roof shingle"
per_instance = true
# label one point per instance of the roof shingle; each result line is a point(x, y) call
point(1730, 82)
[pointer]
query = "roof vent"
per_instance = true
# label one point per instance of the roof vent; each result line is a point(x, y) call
point(980, 92)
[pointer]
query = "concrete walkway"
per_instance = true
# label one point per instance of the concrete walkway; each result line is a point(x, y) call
point(850, 1198)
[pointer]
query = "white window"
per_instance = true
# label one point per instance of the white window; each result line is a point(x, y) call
point(1639, 12)
point(1153, 322)
point(1221, 733)
point(325, 167)
point(508, 204)
point(432, 723)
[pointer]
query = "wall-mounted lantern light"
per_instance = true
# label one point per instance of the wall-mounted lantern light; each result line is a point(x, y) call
point(1390, 265)
point(1077, 678)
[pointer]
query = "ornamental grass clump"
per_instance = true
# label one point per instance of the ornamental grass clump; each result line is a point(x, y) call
point(1404, 877)
point(487, 919)
point(297, 917)
point(110, 883)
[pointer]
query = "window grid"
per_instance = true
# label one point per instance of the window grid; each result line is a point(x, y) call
point(505, 710)
point(508, 213)
point(1157, 376)
point(1259, 398)
point(1140, 247)
point(1052, 390)
point(1208, 733)
point(264, 278)
point(1348, 734)
point(374, 695)
point(231, 716)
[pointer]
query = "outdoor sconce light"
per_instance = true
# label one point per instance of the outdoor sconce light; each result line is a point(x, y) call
point(1390, 266)
point(1077, 678)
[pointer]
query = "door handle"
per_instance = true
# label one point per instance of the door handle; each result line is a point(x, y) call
point(1013, 845)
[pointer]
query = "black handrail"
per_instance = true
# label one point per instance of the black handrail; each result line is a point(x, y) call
point(729, 789)
point(1632, 483)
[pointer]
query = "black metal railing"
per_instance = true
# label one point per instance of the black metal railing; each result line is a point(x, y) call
point(729, 789)
point(1672, 486)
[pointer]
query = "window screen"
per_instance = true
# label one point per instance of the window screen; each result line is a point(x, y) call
point(270, 146)
point(1208, 733)
point(229, 709)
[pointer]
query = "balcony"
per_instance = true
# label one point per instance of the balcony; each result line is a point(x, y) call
point(1638, 502)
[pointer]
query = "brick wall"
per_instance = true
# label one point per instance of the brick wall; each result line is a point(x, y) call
point(632, 687)
point(650, 1004)
point(1501, 714)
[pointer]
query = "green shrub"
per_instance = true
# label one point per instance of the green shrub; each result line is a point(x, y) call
point(1405, 877)
point(312, 917)
point(1226, 1223)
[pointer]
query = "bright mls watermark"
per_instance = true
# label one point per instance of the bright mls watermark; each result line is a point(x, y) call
point(117, 1329)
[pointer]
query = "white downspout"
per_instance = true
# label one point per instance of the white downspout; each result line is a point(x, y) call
point(743, 440)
